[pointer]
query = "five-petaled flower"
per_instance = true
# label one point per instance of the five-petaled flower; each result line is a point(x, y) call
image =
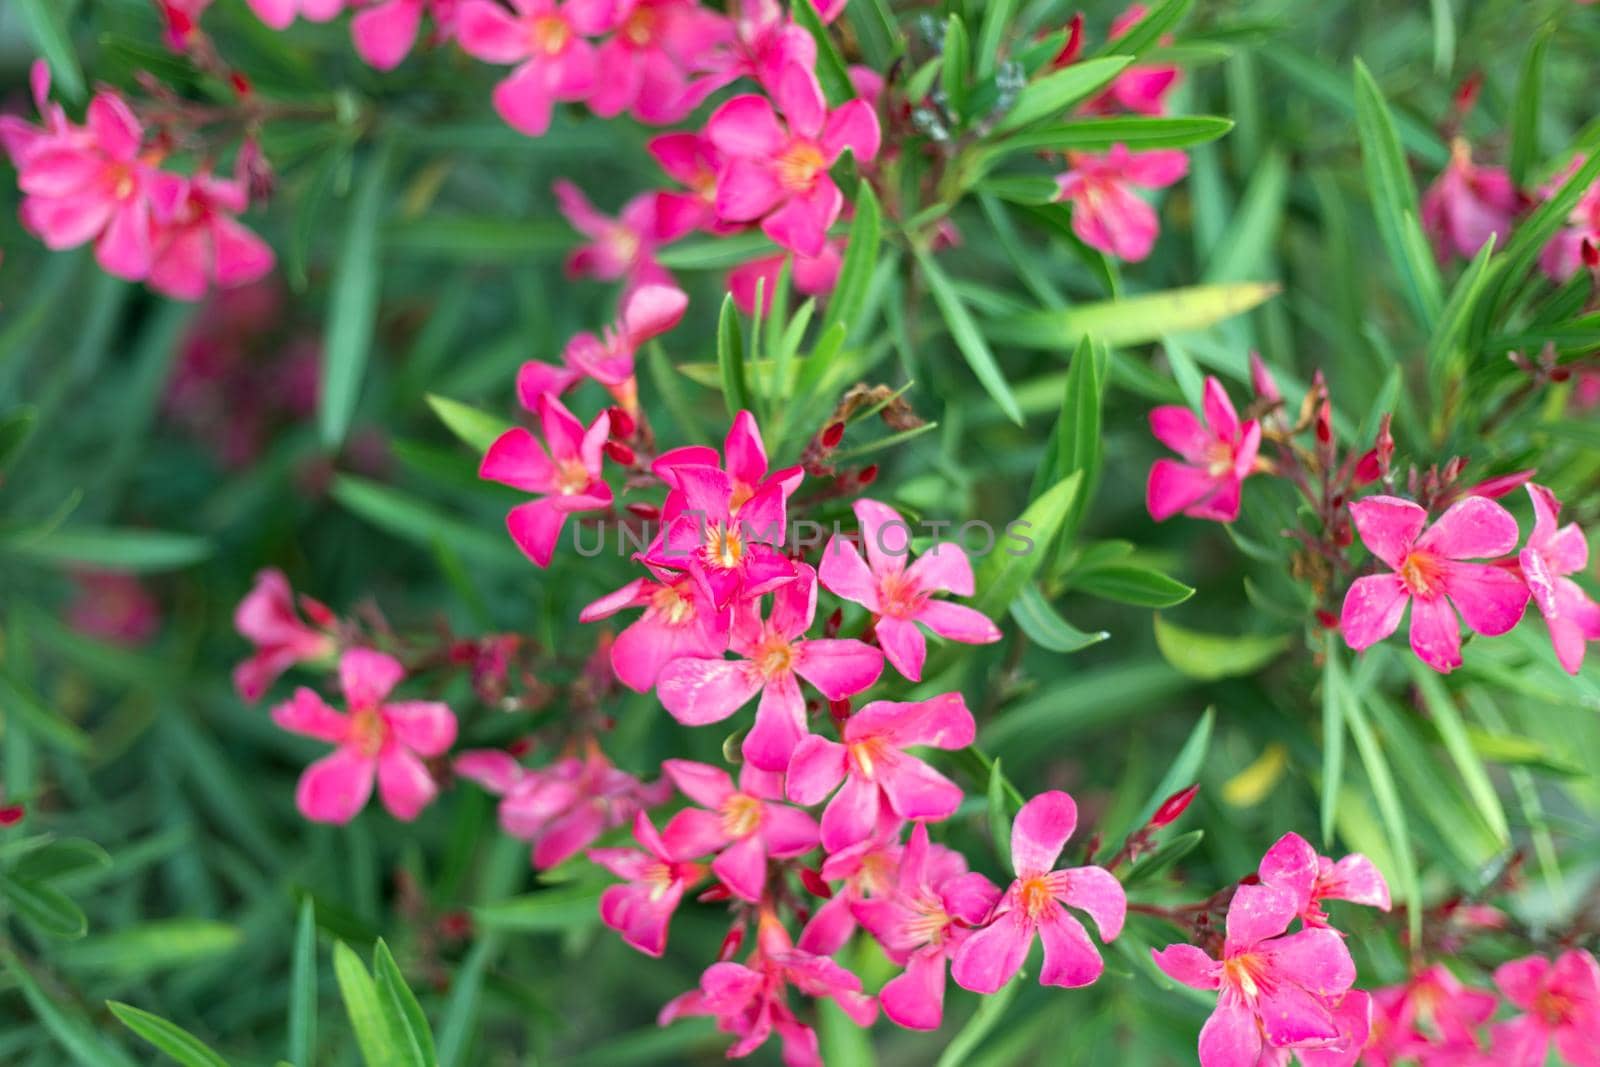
point(1293, 864)
point(1468, 204)
point(1035, 905)
point(744, 826)
point(378, 738)
point(1218, 455)
point(267, 618)
point(1429, 570)
point(545, 38)
point(567, 477)
point(1560, 1005)
point(642, 907)
point(1106, 212)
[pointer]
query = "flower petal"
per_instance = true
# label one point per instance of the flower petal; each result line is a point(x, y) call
point(701, 691)
point(1070, 958)
point(1472, 528)
point(992, 955)
point(1435, 633)
point(404, 784)
point(335, 788)
point(1372, 609)
point(1040, 831)
point(1388, 526)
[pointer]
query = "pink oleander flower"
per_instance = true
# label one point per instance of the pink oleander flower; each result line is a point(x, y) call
point(729, 542)
point(1352, 1015)
point(751, 1000)
point(280, 13)
point(679, 620)
point(1468, 204)
point(379, 738)
point(777, 171)
point(385, 31)
point(1431, 1015)
point(746, 463)
point(645, 66)
point(641, 909)
point(1035, 905)
point(875, 769)
point(865, 871)
point(198, 242)
point(619, 248)
point(545, 38)
point(1293, 864)
point(1218, 455)
point(1106, 213)
point(899, 596)
point(1550, 555)
point(113, 606)
point(560, 809)
point(648, 311)
point(691, 160)
point(1274, 990)
point(1562, 256)
point(1561, 1007)
point(811, 275)
point(89, 183)
point(765, 41)
point(775, 656)
point(267, 618)
point(934, 907)
point(567, 477)
point(1430, 572)
point(744, 826)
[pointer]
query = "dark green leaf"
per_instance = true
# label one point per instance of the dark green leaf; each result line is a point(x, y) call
point(730, 359)
point(1045, 627)
point(303, 986)
point(1130, 583)
point(1525, 113)
point(1059, 90)
point(353, 302)
point(134, 550)
point(967, 337)
point(44, 907)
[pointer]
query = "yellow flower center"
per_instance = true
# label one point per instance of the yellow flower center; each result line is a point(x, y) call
point(675, 608)
point(550, 34)
point(898, 595)
point(640, 27)
point(774, 657)
point(867, 755)
point(1036, 897)
point(368, 731)
point(1219, 458)
point(1245, 973)
point(799, 165)
point(724, 546)
point(1552, 1007)
point(572, 477)
point(659, 877)
point(741, 815)
point(1422, 574)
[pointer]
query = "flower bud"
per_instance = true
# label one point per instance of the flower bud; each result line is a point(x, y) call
point(814, 884)
point(620, 453)
point(1261, 379)
point(622, 423)
point(1173, 806)
point(644, 511)
point(868, 475)
point(832, 434)
point(731, 943)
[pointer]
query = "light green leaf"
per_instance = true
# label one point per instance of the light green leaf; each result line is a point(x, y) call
point(179, 1044)
point(967, 337)
point(1006, 571)
point(1209, 657)
point(1139, 132)
point(158, 945)
point(1391, 811)
point(1134, 320)
point(1525, 112)
point(134, 550)
point(353, 302)
point(1045, 627)
point(303, 986)
point(477, 428)
point(1057, 91)
point(549, 910)
point(991, 1010)
point(1130, 583)
point(379, 1044)
point(407, 1021)
point(730, 359)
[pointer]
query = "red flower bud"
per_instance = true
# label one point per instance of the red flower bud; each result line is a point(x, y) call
point(1173, 806)
point(644, 511)
point(731, 943)
point(1467, 92)
point(832, 434)
point(814, 884)
point(1590, 253)
point(241, 84)
point(1368, 469)
point(455, 925)
point(715, 893)
point(622, 424)
point(318, 612)
point(620, 453)
point(1326, 619)
point(12, 814)
point(868, 475)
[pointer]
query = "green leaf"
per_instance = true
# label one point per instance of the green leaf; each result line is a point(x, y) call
point(997, 18)
point(66, 857)
point(29, 712)
point(839, 1038)
point(1525, 111)
point(1185, 768)
point(1458, 742)
point(879, 35)
point(1334, 699)
point(1139, 133)
point(15, 429)
point(1006, 571)
point(1001, 813)
point(44, 21)
point(730, 359)
point(1163, 858)
point(860, 257)
point(1042, 625)
point(1135, 320)
point(1445, 349)
point(478, 429)
point(158, 945)
point(550, 910)
point(1130, 583)
point(44, 907)
point(66, 1023)
point(1078, 436)
point(353, 302)
point(179, 1044)
point(967, 337)
point(461, 1010)
point(134, 550)
point(1054, 93)
point(1390, 810)
point(1209, 657)
point(412, 520)
point(831, 71)
point(380, 1045)
point(407, 1019)
point(991, 1010)
point(303, 986)
point(716, 253)
point(1394, 198)
point(1148, 31)
point(957, 60)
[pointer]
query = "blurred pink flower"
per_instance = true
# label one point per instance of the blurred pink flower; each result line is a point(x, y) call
point(1293, 864)
point(691, 160)
point(778, 171)
point(199, 242)
point(385, 31)
point(921, 923)
point(567, 477)
point(811, 276)
point(743, 826)
point(378, 738)
point(619, 248)
point(113, 606)
point(1218, 455)
point(645, 65)
point(648, 311)
point(900, 597)
point(1430, 571)
point(1275, 990)
point(267, 618)
point(280, 13)
point(875, 769)
point(776, 656)
point(1561, 1006)
point(1550, 555)
point(182, 19)
point(1431, 1015)
point(1467, 204)
point(1106, 212)
point(545, 38)
point(641, 909)
point(1562, 256)
point(1035, 906)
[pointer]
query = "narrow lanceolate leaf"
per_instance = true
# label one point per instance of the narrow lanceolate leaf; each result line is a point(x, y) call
point(1525, 112)
point(563, 908)
point(991, 1010)
point(1458, 742)
point(1138, 132)
point(1148, 31)
point(1013, 564)
point(967, 337)
point(44, 907)
point(27, 711)
point(65, 1023)
point(1001, 812)
point(1212, 656)
point(730, 359)
point(997, 15)
point(855, 275)
point(478, 429)
point(303, 986)
point(1445, 352)
point(1394, 198)
point(1136, 320)
point(406, 1017)
point(178, 1044)
point(957, 57)
point(353, 303)
point(1131, 583)
point(1054, 93)
point(1045, 627)
point(1185, 768)
point(134, 550)
point(380, 1045)
point(1390, 810)
point(1334, 699)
